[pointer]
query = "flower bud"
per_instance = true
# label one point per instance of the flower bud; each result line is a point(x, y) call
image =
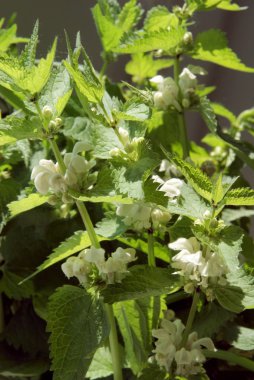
point(124, 134)
point(47, 112)
point(52, 125)
point(188, 38)
point(115, 152)
point(58, 121)
point(207, 214)
point(52, 200)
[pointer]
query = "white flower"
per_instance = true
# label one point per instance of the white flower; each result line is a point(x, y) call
point(188, 359)
point(159, 216)
point(172, 187)
point(77, 267)
point(47, 176)
point(167, 93)
point(136, 215)
point(198, 267)
point(187, 82)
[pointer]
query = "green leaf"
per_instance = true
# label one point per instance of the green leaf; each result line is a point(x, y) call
point(86, 80)
point(94, 198)
point(211, 320)
point(238, 293)
point(10, 285)
point(230, 215)
point(13, 128)
point(189, 204)
point(160, 251)
point(25, 204)
point(57, 91)
point(208, 115)
point(142, 281)
point(182, 227)
point(8, 37)
point(101, 365)
point(226, 243)
point(142, 42)
point(80, 240)
point(28, 55)
point(228, 6)
point(240, 197)
point(78, 326)
point(132, 110)
point(111, 29)
point(110, 227)
point(197, 179)
point(212, 46)
point(144, 66)
point(159, 18)
point(136, 320)
point(240, 337)
point(221, 110)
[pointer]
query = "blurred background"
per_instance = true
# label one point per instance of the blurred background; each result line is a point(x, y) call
point(235, 89)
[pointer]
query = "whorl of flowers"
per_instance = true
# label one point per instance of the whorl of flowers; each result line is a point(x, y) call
point(170, 353)
point(199, 268)
point(111, 270)
point(48, 177)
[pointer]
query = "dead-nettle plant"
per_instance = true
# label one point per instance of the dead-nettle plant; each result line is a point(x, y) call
point(141, 234)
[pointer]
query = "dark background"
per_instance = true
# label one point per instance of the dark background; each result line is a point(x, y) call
point(234, 89)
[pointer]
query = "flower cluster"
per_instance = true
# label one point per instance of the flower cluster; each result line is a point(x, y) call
point(171, 187)
point(170, 94)
point(110, 270)
point(130, 146)
point(198, 268)
point(173, 356)
point(48, 177)
point(141, 216)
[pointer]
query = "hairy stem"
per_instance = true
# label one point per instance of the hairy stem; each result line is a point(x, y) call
point(180, 117)
point(151, 257)
point(191, 317)
point(113, 339)
point(230, 357)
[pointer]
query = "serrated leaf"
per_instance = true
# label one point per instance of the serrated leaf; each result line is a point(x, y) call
point(29, 53)
point(159, 18)
point(78, 326)
point(142, 281)
point(57, 91)
point(212, 46)
point(197, 179)
point(144, 66)
point(189, 204)
point(111, 29)
point(13, 128)
point(133, 111)
point(221, 110)
point(87, 82)
point(25, 204)
point(230, 215)
point(142, 42)
point(227, 243)
point(102, 198)
point(10, 285)
point(208, 115)
point(101, 365)
point(8, 37)
point(80, 240)
point(238, 293)
point(240, 197)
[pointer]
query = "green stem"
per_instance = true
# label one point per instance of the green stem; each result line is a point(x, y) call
point(191, 317)
point(88, 224)
point(58, 156)
point(230, 357)
point(151, 257)
point(180, 117)
point(103, 69)
point(113, 342)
